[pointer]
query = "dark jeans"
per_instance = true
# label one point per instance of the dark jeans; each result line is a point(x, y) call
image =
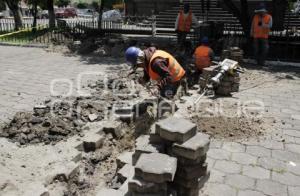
point(261, 48)
point(169, 91)
point(181, 37)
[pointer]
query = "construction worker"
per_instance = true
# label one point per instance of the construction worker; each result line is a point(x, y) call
point(261, 25)
point(158, 65)
point(203, 55)
point(183, 23)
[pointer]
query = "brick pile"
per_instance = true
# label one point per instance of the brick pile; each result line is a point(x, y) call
point(168, 161)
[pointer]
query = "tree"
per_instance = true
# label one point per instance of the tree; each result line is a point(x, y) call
point(62, 3)
point(82, 5)
point(50, 7)
point(2, 6)
point(34, 10)
point(13, 5)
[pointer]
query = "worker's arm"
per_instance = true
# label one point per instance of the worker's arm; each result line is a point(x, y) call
point(160, 66)
point(176, 23)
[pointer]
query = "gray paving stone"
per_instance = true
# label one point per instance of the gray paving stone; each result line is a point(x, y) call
point(126, 172)
point(272, 144)
point(293, 191)
point(233, 147)
point(216, 189)
point(91, 142)
point(250, 193)
point(258, 151)
point(285, 155)
point(176, 129)
point(156, 167)
point(240, 181)
point(113, 127)
point(243, 158)
point(216, 176)
point(193, 148)
point(293, 148)
point(286, 178)
point(294, 133)
point(124, 158)
point(294, 168)
point(227, 167)
point(256, 172)
point(219, 154)
point(271, 188)
point(271, 164)
point(142, 186)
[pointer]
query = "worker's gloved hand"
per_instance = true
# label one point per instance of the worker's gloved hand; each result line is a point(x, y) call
point(162, 83)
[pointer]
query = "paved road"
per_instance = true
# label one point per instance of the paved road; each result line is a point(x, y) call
point(270, 167)
point(26, 75)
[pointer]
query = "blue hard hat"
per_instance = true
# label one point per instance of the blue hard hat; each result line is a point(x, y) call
point(205, 40)
point(131, 54)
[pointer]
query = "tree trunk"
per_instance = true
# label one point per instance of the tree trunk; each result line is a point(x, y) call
point(34, 12)
point(14, 7)
point(50, 6)
point(100, 15)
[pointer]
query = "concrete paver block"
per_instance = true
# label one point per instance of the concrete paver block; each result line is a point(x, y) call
point(91, 142)
point(183, 162)
point(156, 167)
point(114, 127)
point(143, 145)
point(176, 129)
point(124, 158)
point(126, 172)
point(194, 148)
point(192, 172)
point(141, 186)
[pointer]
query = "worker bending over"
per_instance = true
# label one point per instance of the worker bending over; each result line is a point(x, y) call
point(261, 26)
point(203, 55)
point(158, 65)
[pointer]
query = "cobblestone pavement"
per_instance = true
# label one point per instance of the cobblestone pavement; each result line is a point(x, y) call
point(270, 166)
point(26, 75)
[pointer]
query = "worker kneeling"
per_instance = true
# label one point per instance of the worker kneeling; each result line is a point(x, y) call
point(203, 55)
point(158, 65)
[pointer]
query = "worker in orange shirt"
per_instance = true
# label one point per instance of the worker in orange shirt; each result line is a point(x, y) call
point(183, 23)
point(159, 66)
point(203, 55)
point(261, 25)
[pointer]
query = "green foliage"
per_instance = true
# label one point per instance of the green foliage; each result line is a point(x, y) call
point(82, 5)
point(2, 5)
point(62, 3)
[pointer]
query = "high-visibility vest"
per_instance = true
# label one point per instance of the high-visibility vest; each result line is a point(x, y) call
point(202, 57)
point(177, 72)
point(259, 31)
point(184, 24)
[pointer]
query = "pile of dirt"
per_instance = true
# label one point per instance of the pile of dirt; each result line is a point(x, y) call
point(54, 121)
point(227, 122)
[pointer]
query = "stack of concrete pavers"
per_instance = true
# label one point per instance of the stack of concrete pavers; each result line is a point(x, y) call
point(152, 173)
point(229, 84)
point(169, 161)
point(190, 148)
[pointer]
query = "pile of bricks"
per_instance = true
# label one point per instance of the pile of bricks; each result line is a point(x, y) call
point(229, 84)
point(234, 53)
point(169, 161)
